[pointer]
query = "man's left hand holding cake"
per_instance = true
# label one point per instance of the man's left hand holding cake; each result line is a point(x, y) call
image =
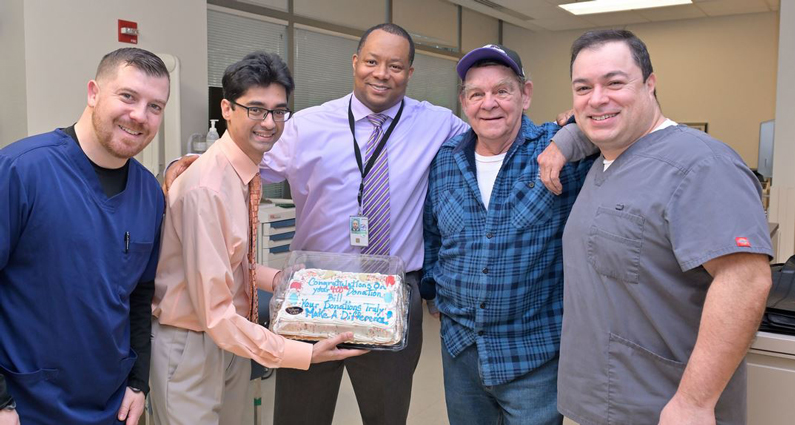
point(205, 301)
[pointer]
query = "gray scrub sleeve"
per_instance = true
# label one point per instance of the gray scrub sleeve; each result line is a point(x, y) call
point(716, 210)
point(573, 144)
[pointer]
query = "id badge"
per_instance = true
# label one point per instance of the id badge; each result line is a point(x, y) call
point(358, 230)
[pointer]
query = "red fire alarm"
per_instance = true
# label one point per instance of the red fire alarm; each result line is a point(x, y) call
point(128, 32)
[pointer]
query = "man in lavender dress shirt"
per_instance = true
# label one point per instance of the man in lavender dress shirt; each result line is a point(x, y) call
point(316, 156)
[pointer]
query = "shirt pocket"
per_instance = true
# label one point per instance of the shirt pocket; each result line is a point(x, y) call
point(614, 244)
point(136, 258)
point(29, 378)
point(640, 382)
point(531, 203)
point(450, 214)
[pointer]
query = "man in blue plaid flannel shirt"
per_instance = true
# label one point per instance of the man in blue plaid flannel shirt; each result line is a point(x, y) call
point(493, 258)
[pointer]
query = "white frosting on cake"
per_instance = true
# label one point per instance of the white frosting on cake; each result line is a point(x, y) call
point(320, 303)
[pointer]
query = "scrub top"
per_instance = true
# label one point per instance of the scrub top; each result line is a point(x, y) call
point(69, 259)
point(634, 287)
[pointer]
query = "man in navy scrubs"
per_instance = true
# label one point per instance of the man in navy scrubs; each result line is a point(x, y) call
point(79, 236)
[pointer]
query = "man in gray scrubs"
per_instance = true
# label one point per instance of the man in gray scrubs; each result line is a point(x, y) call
point(665, 254)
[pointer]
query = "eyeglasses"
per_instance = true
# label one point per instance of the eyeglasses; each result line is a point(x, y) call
point(258, 113)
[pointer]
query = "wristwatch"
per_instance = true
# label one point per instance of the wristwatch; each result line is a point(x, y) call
point(12, 405)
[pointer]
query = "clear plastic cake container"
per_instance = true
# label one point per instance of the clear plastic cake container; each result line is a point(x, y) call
point(321, 295)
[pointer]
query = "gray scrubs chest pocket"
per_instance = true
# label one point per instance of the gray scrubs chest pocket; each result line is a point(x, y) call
point(614, 244)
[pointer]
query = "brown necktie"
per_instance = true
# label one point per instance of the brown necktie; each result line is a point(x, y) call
point(254, 197)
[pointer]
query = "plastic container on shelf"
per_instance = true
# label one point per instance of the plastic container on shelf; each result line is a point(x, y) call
point(197, 143)
point(321, 295)
point(212, 134)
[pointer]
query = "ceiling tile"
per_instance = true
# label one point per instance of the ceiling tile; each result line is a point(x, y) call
point(548, 16)
point(732, 7)
point(657, 14)
point(538, 9)
point(614, 19)
point(563, 24)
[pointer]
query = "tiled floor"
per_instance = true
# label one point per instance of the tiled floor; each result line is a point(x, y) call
point(427, 397)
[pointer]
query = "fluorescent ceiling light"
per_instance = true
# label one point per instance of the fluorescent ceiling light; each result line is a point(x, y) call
point(604, 6)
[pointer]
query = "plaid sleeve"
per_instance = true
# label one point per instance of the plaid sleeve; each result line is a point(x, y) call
point(432, 240)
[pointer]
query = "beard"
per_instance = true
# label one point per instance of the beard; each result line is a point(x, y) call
point(120, 147)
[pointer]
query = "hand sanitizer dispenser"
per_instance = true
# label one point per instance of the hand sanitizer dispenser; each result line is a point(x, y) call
point(212, 134)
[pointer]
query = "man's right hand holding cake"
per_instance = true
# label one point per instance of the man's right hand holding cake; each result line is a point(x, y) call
point(205, 306)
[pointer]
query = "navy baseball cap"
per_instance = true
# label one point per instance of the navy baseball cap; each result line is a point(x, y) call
point(495, 52)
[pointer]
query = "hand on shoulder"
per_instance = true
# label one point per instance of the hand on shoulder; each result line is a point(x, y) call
point(175, 169)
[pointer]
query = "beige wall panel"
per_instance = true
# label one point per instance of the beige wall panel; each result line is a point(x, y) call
point(716, 70)
point(429, 21)
point(478, 30)
point(360, 14)
point(545, 59)
point(782, 194)
point(783, 170)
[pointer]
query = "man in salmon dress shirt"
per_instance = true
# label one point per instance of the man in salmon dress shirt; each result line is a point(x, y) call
point(203, 329)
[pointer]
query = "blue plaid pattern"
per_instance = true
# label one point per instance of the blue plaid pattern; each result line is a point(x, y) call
point(498, 274)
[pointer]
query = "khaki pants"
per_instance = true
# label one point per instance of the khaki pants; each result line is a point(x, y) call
point(193, 381)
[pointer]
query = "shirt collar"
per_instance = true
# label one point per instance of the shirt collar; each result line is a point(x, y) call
point(245, 168)
point(360, 111)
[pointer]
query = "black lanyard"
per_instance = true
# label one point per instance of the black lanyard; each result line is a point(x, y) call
point(366, 169)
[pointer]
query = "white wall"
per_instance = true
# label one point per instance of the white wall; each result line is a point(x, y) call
point(64, 41)
point(782, 193)
point(716, 70)
point(13, 109)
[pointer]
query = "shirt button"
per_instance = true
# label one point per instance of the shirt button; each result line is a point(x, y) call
point(489, 235)
point(485, 270)
point(531, 184)
point(480, 333)
point(482, 305)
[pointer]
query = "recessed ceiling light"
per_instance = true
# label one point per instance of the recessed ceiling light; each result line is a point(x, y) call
point(604, 6)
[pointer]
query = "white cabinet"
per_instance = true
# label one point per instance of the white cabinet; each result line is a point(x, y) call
point(276, 232)
point(771, 380)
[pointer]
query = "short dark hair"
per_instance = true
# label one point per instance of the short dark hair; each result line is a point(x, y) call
point(143, 60)
point(257, 69)
point(640, 54)
point(392, 29)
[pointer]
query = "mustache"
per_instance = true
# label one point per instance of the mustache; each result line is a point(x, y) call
point(132, 126)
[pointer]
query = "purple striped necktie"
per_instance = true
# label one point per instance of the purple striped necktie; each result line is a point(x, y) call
point(375, 197)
